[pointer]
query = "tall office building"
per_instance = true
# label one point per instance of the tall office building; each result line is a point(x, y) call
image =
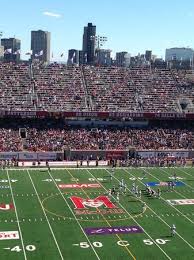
point(148, 55)
point(12, 49)
point(89, 40)
point(123, 59)
point(40, 45)
point(103, 57)
point(82, 58)
point(73, 57)
point(178, 54)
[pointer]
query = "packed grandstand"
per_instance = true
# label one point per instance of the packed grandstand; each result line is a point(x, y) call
point(48, 91)
point(57, 87)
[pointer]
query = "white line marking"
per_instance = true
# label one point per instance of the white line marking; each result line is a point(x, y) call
point(171, 204)
point(16, 213)
point(59, 250)
point(134, 219)
point(192, 188)
point(161, 214)
point(74, 215)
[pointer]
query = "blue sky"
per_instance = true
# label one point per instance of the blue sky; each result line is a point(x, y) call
point(130, 25)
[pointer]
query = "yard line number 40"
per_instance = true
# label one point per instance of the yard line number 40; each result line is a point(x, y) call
point(18, 249)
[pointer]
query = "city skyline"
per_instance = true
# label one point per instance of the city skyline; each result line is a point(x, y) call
point(132, 27)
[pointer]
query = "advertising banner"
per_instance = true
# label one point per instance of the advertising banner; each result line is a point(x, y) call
point(28, 156)
point(47, 156)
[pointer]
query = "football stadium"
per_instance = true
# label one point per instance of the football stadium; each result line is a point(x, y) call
point(96, 149)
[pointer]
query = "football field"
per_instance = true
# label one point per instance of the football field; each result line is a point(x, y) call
point(70, 214)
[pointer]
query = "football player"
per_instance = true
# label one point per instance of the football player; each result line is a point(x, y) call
point(173, 230)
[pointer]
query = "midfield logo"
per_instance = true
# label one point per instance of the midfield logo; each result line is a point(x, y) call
point(91, 206)
point(81, 203)
point(6, 206)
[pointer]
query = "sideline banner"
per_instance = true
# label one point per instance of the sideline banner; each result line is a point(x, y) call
point(28, 156)
point(8, 156)
point(47, 156)
point(170, 153)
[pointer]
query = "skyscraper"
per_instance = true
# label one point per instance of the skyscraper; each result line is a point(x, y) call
point(73, 57)
point(40, 45)
point(122, 59)
point(179, 54)
point(148, 55)
point(12, 49)
point(103, 57)
point(89, 40)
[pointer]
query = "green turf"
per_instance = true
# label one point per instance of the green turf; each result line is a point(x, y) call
point(49, 228)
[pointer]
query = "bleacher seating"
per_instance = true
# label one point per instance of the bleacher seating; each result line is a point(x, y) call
point(57, 87)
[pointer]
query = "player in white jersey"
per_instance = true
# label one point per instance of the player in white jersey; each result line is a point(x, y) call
point(133, 187)
point(119, 187)
point(111, 174)
point(125, 188)
point(136, 190)
point(122, 183)
point(144, 207)
point(158, 193)
point(139, 194)
point(117, 196)
point(173, 230)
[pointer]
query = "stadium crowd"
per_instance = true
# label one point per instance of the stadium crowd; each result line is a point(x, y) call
point(107, 139)
point(55, 135)
point(57, 87)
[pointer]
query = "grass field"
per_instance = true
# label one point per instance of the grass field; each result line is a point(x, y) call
point(51, 220)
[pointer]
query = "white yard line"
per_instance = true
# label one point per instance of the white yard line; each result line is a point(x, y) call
point(168, 203)
point(16, 213)
point(97, 256)
point(190, 175)
point(56, 243)
point(180, 180)
point(155, 212)
point(133, 218)
point(185, 171)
